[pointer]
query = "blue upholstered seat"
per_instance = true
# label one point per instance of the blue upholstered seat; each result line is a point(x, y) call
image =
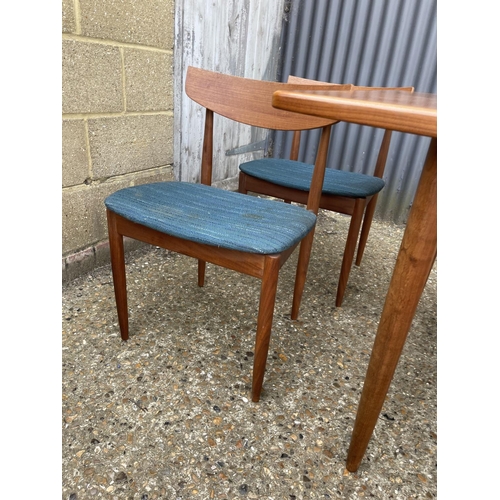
point(213, 216)
point(297, 175)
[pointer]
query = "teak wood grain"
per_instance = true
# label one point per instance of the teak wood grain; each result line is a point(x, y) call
point(415, 113)
point(360, 208)
point(413, 265)
point(245, 101)
point(411, 113)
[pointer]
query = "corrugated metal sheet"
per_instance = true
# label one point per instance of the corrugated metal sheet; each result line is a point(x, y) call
point(365, 42)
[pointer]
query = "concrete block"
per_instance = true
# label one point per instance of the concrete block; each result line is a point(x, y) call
point(128, 144)
point(102, 256)
point(84, 215)
point(131, 21)
point(149, 80)
point(76, 219)
point(79, 263)
point(87, 260)
point(91, 78)
point(162, 174)
point(75, 163)
point(68, 16)
point(64, 273)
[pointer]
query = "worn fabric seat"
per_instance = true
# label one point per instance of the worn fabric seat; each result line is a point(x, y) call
point(298, 175)
point(213, 216)
point(345, 192)
point(248, 234)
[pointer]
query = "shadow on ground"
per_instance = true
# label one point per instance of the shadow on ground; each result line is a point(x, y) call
point(167, 415)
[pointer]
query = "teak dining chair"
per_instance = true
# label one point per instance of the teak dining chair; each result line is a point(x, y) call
point(349, 193)
point(252, 235)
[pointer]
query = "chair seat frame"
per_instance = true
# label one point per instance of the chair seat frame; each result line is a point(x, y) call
point(205, 87)
point(361, 209)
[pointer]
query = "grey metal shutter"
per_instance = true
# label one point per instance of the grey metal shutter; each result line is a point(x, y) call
point(364, 42)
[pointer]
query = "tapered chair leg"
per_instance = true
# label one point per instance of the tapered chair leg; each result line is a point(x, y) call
point(264, 323)
point(241, 183)
point(118, 269)
point(301, 274)
point(201, 272)
point(352, 238)
point(365, 229)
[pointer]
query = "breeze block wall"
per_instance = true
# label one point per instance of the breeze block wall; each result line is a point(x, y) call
point(117, 114)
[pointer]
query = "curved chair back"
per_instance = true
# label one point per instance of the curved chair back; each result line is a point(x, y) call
point(250, 101)
point(251, 235)
point(345, 192)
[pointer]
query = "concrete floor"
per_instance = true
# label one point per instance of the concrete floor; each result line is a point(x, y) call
point(167, 415)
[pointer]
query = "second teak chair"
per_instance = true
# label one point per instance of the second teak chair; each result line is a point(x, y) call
point(248, 234)
point(345, 192)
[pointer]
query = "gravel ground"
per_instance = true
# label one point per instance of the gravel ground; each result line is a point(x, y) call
point(167, 415)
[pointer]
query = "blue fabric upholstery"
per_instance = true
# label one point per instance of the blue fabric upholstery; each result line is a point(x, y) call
point(213, 216)
point(297, 175)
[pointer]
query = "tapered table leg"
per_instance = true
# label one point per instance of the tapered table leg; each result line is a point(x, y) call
point(414, 261)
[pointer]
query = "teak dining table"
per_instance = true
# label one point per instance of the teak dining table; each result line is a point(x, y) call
point(414, 113)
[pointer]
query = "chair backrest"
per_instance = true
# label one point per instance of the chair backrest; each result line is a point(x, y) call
point(250, 101)
point(402, 89)
point(386, 140)
point(348, 86)
point(306, 81)
point(297, 80)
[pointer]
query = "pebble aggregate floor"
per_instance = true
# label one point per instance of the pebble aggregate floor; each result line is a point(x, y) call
point(168, 415)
